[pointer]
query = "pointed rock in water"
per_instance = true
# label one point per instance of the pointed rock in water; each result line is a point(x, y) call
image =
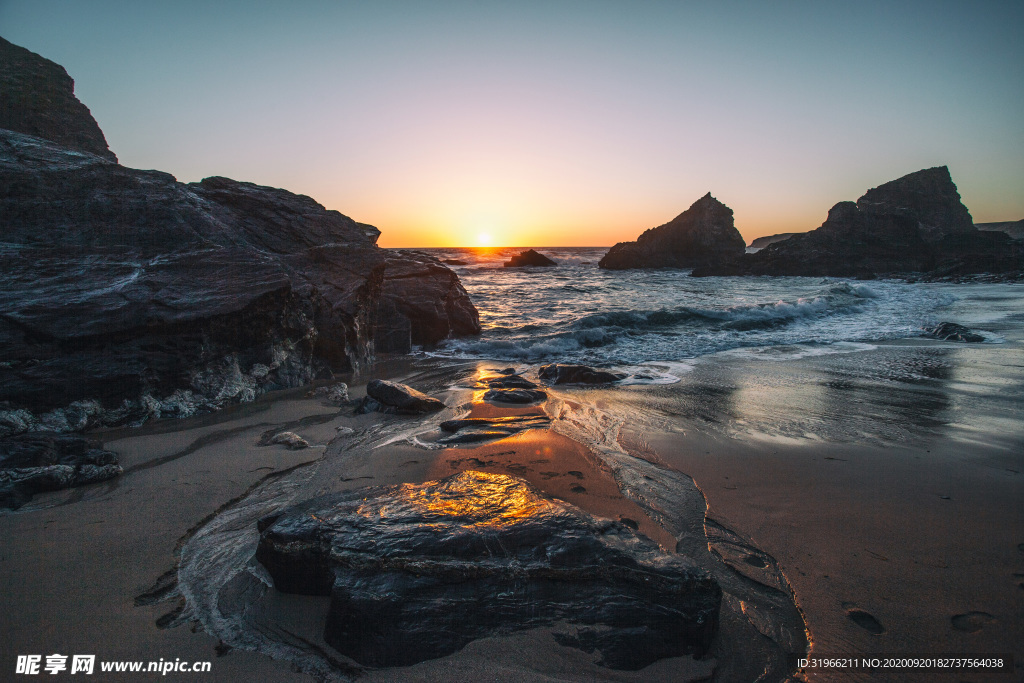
point(703, 234)
point(577, 374)
point(929, 197)
point(529, 257)
point(417, 571)
point(401, 398)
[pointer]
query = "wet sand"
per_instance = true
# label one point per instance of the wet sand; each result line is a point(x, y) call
point(893, 500)
point(891, 509)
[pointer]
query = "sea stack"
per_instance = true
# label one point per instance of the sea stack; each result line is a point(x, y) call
point(915, 224)
point(702, 235)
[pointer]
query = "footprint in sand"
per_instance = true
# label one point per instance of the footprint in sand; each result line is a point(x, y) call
point(631, 523)
point(576, 488)
point(972, 622)
point(575, 473)
point(863, 619)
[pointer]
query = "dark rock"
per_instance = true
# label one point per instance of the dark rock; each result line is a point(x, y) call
point(504, 371)
point(368, 405)
point(1015, 229)
point(403, 399)
point(37, 462)
point(507, 382)
point(577, 374)
point(954, 332)
point(703, 234)
point(454, 262)
point(38, 98)
point(152, 298)
point(928, 197)
point(335, 394)
point(422, 302)
point(914, 224)
point(515, 395)
point(417, 571)
point(529, 257)
point(762, 242)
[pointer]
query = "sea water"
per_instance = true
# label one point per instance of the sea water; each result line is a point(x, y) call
point(577, 312)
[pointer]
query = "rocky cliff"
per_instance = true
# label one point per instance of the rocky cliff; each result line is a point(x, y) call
point(38, 98)
point(915, 224)
point(126, 294)
point(702, 235)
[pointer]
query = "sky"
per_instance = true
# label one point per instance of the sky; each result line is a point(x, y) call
point(555, 123)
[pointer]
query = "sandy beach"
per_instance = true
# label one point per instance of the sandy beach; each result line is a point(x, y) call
point(896, 523)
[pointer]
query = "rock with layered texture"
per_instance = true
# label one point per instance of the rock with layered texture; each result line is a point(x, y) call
point(417, 571)
point(703, 234)
point(150, 297)
point(954, 332)
point(915, 224)
point(422, 303)
point(34, 463)
point(37, 97)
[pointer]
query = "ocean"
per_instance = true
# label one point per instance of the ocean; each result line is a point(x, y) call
point(654, 324)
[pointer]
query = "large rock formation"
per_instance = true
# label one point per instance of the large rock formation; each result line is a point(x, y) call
point(37, 97)
point(156, 297)
point(702, 235)
point(914, 224)
point(417, 571)
point(422, 303)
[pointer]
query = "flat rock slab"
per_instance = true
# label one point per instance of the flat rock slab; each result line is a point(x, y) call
point(476, 429)
point(515, 395)
point(417, 571)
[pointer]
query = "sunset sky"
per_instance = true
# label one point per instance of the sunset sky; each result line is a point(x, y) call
point(552, 123)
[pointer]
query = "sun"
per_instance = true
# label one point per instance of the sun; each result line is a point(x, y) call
point(483, 239)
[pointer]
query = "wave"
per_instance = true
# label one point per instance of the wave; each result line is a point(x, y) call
point(689, 318)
